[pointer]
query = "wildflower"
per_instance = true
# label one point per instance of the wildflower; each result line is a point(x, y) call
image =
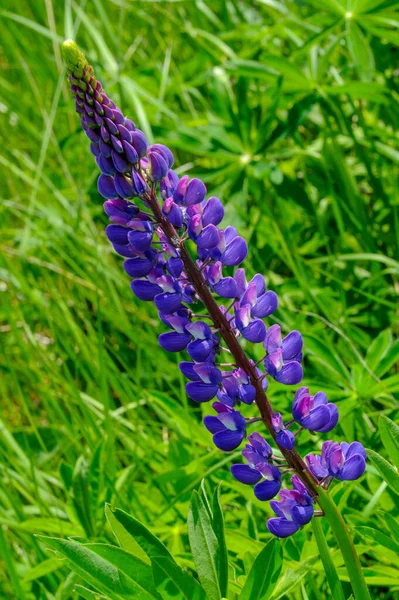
point(284, 437)
point(314, 412)
point(228, 427)
point(343, 461)
point(284, 355)
point(294, 510)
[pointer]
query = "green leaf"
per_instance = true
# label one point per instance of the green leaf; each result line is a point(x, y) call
point(264, 574)
point(386, 470)
point(89, 594)
point(222, 560)
point(43, 568)
point(389, 433)
point(81, 496)
point(138, 572)
point(292, 577)
point(361, 51)
point(124, 538)
point(204, 546)
point(139, 533)
point(95, 570)
point(172, 582)
point(328, 564)
point(378, 537)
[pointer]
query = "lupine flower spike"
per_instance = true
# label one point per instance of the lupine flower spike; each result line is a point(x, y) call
point(154, 214)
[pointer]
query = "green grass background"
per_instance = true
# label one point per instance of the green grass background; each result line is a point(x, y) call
point(289, 112)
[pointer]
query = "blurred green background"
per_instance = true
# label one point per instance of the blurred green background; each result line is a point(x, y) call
point(289, 111)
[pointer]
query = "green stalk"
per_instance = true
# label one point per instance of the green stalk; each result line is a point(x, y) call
point(329, 568)
point(348, 550)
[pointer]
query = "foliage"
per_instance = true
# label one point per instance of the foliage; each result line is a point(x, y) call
point(288, 111)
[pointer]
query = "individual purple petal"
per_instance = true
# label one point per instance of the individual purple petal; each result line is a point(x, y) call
point(187, 368)
point(117, 234)
point(226, 288)
point(169, 184)
point(120, 163)
point(247, 393)
point(208, 373)
point(201, 392)
point(180, 190)
point(139, 142)
point(245, 474)
point(138, 183)
point(266, 305)
point(318, 418)
point(315, 467)
point(228, 440)
point(281, 527)
point(123, 250)
point(199, 330)
point(290, 374)
point(95, 149)
point(353, 468)
point(213, 424)
point(266, 490)
point(106, 165)
point(138, 267)
point(167, 302)
point(254, 332)
point(105, 148)
point(164, 151)
point(131, 155)
point(292, 345)
point(235, 252)
point(174, 342)
point(208, 238)
point(354, 448)
point(117, 145)
point(140, 240)
point(285, 439)
point(273, 339)
point(195, 192)
point(332, 421)
point(158, 166)
point(106, 186)
point(144, 290)
point(123, 187)
point(175, 266)
point(200, 350)
point(302, 514)
point(213, 212)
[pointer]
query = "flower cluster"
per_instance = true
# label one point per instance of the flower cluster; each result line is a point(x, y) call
point(153, 213)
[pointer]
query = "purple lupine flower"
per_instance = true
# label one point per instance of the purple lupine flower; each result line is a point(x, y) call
point(263, 303)
point(206, 382)
point(284, 355)
point(228, 427)
point(314, 412)
point(236, 387)
point(294, 510)
point(257, 454)
point(284, 437)
point(343, 461)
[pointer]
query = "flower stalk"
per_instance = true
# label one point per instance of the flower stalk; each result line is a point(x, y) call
point(163, 271)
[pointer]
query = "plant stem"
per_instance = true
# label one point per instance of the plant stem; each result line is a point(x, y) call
point(347, 547)
point(329, 569)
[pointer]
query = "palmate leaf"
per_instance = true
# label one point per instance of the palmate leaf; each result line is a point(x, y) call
point(204, 546)
point(264, 574)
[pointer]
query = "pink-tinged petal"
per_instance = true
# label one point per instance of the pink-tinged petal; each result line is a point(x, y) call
point(245, 474)
point(352, 469)
point(273, 339)
point(201, 392)
point(230, 233)
point(250, 296)
point(313, 462)
point(266, 490)
point(208, 373)
point(241, 282)
point(243, 317)
point(266, 305)
point(290, 374)
point(214, 273)
point(274, 362)
point(336, 461)
point(228, 440)
point(282, 528)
